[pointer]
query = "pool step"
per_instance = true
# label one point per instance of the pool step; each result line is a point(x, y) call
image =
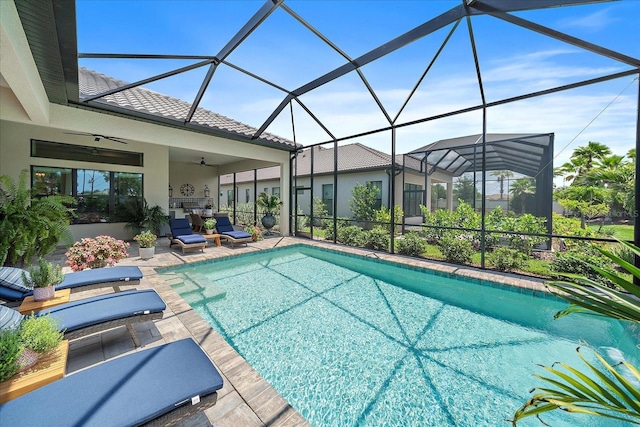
point(195, 287)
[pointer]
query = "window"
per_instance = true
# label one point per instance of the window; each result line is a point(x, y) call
point(378, 185)
point(230, 197)
point(412, 199)
point(57, 150)
point(101, 195)
point(327, 197)
point(275, 191)
point(247, 195)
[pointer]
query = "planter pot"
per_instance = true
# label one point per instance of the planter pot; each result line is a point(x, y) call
point(27, 359)
point(208, 212)
point(268, 221)
point(44, 294)
point(147, 253)
point(209, 231)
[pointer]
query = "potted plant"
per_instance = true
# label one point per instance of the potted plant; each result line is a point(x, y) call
point(210, 225)
point(140, 216)
point(43, 278)
point(208, 209)
point(269, 205)
point(11, 350)
point(147, 244)
point(95, 253)
point(40, 333)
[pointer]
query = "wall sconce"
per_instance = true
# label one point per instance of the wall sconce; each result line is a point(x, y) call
point(170, 191)
point(207, 192)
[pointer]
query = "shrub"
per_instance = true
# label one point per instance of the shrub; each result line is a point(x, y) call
point(40, 333)
point(43, 275)
point(457, 247)
point(95, 253)
point(411, 244)
point(383, 217)
point(574, 261)
point(352, 235)
point(507, 259)
point(341, 222)
point(377, 239)
point(10, 350)
point(255, 232)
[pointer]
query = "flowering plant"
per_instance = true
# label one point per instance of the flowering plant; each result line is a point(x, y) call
point(146, 239)
point(95, 253)
point(254, 231)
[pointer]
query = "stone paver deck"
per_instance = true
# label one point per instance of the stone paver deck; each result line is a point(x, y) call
point(246, 398)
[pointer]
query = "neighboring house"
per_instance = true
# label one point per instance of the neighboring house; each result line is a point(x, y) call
point(122, 145)
point(356, 164)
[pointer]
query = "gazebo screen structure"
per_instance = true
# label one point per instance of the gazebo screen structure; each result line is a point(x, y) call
point(526, 155)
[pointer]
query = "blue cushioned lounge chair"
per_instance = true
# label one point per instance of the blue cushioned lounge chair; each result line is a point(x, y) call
point(90, 315)
point(12, 287)
point(226, 231)
point(183, 235)
point(161, 386)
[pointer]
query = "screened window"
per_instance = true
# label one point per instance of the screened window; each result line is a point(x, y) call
point(247, 195)
point(275, 191)
point(100, 195)
point(230, 197)
point(412, 199)
point(327, 197)
point(378, 185)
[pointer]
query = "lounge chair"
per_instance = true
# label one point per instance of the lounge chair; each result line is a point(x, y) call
point(161, 386)
point(13, 289)
point(95, 314)
point(226, 231)
point(183, 235)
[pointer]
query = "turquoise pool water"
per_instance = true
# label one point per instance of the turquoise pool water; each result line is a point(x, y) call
point(350, 341)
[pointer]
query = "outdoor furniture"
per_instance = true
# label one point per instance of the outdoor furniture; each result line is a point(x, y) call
point(215, 237)
point(196, 222)
point(161, 385)
point(12, 287)
point(29, 304)
point(183, 235)
point(95, 314)
point(226, 231)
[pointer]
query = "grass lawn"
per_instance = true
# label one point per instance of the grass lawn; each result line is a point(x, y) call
point(621, 231)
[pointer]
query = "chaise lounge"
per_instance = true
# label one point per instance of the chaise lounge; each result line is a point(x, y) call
point(96, 314)
point(226, 231)
point(12, 287)
point(160, 386)
point(183, 235)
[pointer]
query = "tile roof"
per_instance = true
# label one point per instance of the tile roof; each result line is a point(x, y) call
point(146, 101)
point(351, 158)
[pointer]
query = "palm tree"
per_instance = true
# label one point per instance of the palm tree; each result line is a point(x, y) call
point(609, 391)
point(588, 156)
point(521, 189)
point(502, 174)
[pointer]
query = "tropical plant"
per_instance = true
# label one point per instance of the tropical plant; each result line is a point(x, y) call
point(465, 189)
point(269, 204)
point(31, 227)
point(140, 216)
point(146, 239)
point(95, 253)
point(40, 333)
point(605, 391)
point(522, 191)
point(42, 275)
point(255, 232)
point(500, 176)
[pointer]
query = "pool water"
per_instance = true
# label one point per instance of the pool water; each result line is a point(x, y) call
point(351, 341)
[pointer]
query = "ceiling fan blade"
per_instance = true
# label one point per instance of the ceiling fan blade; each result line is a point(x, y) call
point(115, 139)
point(79, 133)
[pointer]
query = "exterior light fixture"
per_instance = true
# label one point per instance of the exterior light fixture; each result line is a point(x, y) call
point(170, 191)
point(207, 192)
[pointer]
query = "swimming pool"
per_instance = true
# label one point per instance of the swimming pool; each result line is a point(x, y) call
point(349, 341)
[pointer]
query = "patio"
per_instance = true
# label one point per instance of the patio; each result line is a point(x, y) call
point(246, 399)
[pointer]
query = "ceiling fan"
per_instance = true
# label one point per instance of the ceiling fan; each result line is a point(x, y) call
point(202, 163)
point(98, 137)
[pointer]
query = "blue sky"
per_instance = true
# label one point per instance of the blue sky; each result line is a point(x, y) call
point(513, 61)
